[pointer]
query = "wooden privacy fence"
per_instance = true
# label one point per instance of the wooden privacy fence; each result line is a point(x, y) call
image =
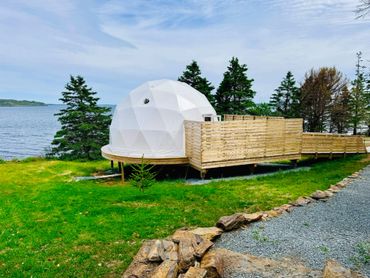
point(240, 140)
point(326, 143)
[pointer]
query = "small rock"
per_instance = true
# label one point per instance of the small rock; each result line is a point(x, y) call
point(301, 201)
point(252, 217)
point(202, 248)
point(273, 213)
point(354, 175)
point(231, 222)
point(333, 269)
point(213, 262)
point(334, 189)
point(318, 195)
point(209, 233)
point(328, 193)
point(167, 269)
point(284, 208)
point(194, 272)
point(156, 253)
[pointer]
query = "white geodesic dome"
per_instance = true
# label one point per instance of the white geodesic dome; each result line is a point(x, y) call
point(149, 122)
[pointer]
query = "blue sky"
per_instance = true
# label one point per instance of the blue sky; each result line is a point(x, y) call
point(117, 45)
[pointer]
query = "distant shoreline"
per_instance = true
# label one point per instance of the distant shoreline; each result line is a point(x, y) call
point(20, 103)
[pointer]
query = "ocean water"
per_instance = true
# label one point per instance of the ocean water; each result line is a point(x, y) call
point(27, 131)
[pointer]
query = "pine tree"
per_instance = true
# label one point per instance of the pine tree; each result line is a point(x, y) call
point(84, 124)
point(358, 100)
point(340, 112)
point(261, 109)
point(367, 99)
point(192, 76)
point(235, 94)
point(285, 101)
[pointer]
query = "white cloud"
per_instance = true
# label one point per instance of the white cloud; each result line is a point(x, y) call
point(119, 44)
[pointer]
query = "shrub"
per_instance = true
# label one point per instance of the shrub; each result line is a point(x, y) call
point(142, 176)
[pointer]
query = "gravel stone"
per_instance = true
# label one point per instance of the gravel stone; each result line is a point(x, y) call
point(313, 233)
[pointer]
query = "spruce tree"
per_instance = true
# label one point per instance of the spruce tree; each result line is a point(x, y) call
point(192, 76)
point(358, 101)
point(84, 124)
point(235, 93)
point(340, 112)
point(285, 100)
point(367, 98)
point(261, 109)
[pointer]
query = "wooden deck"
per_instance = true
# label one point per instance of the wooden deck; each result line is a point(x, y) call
point(243, 140)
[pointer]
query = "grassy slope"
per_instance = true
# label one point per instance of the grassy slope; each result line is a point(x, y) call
point(50, 226)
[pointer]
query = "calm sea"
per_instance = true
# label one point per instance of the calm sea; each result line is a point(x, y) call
point(27, 131)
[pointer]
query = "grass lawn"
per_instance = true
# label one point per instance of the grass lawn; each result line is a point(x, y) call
point(52, 226)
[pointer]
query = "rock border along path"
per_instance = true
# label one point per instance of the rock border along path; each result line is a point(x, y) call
point(193, 253)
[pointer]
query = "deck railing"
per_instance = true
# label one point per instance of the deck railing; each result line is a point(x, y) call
point(241, 140)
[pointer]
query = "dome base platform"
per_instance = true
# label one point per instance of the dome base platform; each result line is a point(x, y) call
point(137, 160)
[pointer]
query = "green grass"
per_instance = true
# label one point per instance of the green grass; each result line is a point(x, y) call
point(52, 226)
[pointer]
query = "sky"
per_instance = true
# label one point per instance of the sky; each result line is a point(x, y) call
point(116, 45)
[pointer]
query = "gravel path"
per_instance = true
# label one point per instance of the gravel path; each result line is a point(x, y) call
point(313, 233)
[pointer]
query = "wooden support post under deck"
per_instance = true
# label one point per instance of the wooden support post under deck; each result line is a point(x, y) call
point(123, 172)
point(112, 164)
point(203, 174)
point(252, 168)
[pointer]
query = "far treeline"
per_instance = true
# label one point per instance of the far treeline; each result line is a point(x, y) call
point(326, 99)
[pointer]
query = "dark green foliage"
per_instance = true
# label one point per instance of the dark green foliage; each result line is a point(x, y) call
point(285, 101)
point(261, 109)
point(192, 76)
point(358, 99)
point(235, 94)
point(367, 95)
point(142, 176)
point(85, 125)
point(340, 112)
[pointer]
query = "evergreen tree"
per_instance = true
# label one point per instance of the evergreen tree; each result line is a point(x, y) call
point(358, 100)
point(261, 109)
point(84, 124)
point(340, 113)
point(235, 94)
point(367, 98)
point(192, 76)
point(285, 101)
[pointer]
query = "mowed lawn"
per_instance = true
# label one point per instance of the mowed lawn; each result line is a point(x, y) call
point(52, 226)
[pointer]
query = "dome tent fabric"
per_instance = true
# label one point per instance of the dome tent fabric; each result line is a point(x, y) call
point(149, 122)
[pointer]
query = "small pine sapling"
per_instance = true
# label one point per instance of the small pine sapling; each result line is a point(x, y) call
point(142, 176)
